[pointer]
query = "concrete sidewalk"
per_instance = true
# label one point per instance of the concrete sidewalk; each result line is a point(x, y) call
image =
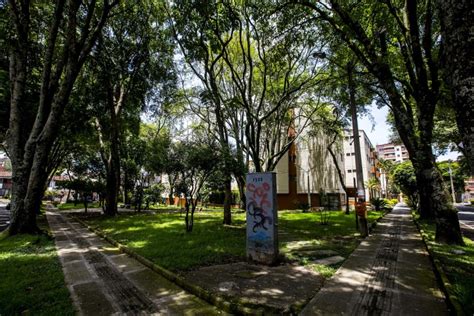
point(390, 273)
point(104, 281)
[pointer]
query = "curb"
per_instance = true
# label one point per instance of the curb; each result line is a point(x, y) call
point(235, 306)
point(452, 300)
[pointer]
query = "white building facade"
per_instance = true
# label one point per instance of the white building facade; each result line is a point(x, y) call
point(369, 160)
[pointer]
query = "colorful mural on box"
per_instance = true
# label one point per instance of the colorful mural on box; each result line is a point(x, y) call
point(260, 193)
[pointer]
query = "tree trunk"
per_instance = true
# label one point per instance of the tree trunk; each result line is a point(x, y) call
point(30, 146)
point(171, 197)
point(457, 31)
point(347, 204)
point(186, 216)
point(126, 200)
point(227, 201)
point(434, 199)
point(241, 185)
point(139, 199)
point(21, 219)
point(30, 185)
point(84, 197)
point(193, 209)
point(111, 187)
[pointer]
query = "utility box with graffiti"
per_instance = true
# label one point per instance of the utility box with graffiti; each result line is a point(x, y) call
point(262, 219)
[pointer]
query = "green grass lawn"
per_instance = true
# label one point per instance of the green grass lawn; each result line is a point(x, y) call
point(459, 268)
point(162, 237)
point(71, 206)
point(31, 278)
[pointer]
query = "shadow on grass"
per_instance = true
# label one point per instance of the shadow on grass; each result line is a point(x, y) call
point(162, 238)
point(458, 265)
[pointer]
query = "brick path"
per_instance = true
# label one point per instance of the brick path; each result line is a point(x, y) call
point(103, 281)
point(388, 274)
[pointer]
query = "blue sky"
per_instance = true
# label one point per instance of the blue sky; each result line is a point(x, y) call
point(380, 132)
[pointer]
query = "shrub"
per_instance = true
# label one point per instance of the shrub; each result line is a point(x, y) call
point(390, 202)
point(378, 203)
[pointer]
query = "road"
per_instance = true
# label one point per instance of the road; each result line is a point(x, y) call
point(4, 217)
point(466, 220)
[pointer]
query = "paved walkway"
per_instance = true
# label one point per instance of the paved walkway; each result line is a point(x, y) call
point(103, 281)
point(388, 274)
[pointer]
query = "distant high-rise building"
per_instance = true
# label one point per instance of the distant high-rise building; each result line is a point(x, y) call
point(393, 152)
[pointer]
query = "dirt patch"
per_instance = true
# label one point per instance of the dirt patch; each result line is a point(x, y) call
point(277, 287)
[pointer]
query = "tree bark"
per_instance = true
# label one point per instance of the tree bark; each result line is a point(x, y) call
point(227, 201)
point(30, 146)
point(434, 199)
point(111, 188)
point(241, 185)
point(458, 40)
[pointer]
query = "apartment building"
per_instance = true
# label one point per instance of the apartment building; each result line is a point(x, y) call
point(369, 163)
point(306, 174)
point(393, 152)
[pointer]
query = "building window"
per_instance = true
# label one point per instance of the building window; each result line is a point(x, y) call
point(348, 154)
point(349, 171)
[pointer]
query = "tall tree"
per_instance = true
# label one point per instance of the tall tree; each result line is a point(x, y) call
point(120, 77)
point(200, 48)
point(457, 32)
point(254, 74)
point(72, 29)
point(4, 83)
point(396, 42)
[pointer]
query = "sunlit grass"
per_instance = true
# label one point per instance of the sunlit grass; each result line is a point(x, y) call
point(457, 263)
point(31, 279)
point(71, 206)
point(162, 237)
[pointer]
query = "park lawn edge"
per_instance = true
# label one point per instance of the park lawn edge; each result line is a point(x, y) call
point(443, 281)
point(237, 305)
point(41, 246)
point(231, 305)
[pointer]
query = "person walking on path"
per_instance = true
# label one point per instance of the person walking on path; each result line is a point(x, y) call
point(103, 281)
point(390, 273)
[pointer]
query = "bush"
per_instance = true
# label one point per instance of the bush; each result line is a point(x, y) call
point(378, 203)
point(304, 206)
point(50, 195)
point(390, 202)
